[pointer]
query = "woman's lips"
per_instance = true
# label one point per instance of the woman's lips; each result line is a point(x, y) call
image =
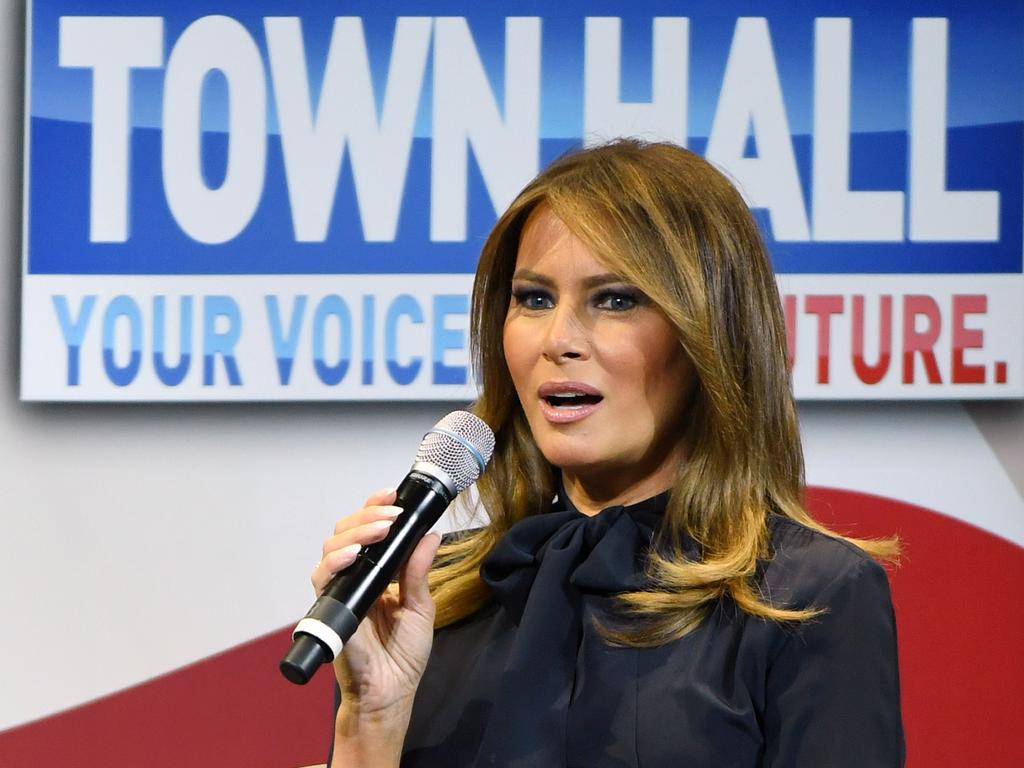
point(563, 402)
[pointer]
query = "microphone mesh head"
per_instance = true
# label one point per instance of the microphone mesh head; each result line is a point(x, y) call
point(461, 444)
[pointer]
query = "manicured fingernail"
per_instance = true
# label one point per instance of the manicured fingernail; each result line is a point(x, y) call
point(351, 550)
point(391, 512)
point(382, 524)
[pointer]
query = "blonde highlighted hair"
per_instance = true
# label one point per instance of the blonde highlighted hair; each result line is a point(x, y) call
point(669, 223)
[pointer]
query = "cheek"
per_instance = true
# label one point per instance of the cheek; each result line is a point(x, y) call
point(516, 353)
point(660, 369)
point(670, 385)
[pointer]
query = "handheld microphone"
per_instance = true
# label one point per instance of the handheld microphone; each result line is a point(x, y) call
point(450, 459)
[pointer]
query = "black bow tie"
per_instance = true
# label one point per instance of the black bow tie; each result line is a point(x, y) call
point(541, 572)
point(602, 554)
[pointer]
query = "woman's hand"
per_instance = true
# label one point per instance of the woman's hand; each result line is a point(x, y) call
point(382, 663)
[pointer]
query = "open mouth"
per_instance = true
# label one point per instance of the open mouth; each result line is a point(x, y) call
point(566, 402)
point(571, 400)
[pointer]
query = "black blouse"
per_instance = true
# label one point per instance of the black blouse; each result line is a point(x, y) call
point(529, 681)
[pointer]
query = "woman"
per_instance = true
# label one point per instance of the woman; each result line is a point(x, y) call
point(649, 589)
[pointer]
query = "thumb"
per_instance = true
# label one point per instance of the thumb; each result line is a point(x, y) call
point(412, 581)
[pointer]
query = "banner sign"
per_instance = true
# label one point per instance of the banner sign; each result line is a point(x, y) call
point(285, 201)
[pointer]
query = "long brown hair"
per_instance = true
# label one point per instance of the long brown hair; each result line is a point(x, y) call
point(669, 223)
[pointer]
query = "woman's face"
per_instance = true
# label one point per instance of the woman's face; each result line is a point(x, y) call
point(598, 369)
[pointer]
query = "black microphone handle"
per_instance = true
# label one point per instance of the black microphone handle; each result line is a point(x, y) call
point(348, 596)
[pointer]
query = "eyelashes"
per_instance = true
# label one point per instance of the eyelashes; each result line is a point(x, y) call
point(532, 298)
point(612, 299)
point(619, 299)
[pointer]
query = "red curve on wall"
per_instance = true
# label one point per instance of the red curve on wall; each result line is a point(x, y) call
point(232, 710)
point(961, 630)
point(960, 635)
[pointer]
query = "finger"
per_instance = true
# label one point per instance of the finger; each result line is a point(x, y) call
point(331, 563)
point(382, 496)
point(367, 515)
point(412, 581)
point(361, 534)
point(339, 550)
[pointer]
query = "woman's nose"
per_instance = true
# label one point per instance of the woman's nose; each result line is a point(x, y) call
point(566, 337)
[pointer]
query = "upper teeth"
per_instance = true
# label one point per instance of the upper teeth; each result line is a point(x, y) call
point(562, 400)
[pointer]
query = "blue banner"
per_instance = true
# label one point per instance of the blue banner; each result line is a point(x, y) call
point(459, 58)
point(242, 139)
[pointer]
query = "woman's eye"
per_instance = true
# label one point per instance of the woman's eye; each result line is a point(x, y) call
point(617, 301)
point(532, 299)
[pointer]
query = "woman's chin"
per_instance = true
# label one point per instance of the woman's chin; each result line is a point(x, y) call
point(581, 462)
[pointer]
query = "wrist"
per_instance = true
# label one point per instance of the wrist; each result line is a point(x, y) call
point(371, 737)
point(355, 714)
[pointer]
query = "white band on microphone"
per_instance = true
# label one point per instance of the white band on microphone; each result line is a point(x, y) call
point(321, 632)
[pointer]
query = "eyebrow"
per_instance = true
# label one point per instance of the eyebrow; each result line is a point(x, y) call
point(588, 282)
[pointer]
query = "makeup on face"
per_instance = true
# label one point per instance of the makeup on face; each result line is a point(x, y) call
point(598, 369)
